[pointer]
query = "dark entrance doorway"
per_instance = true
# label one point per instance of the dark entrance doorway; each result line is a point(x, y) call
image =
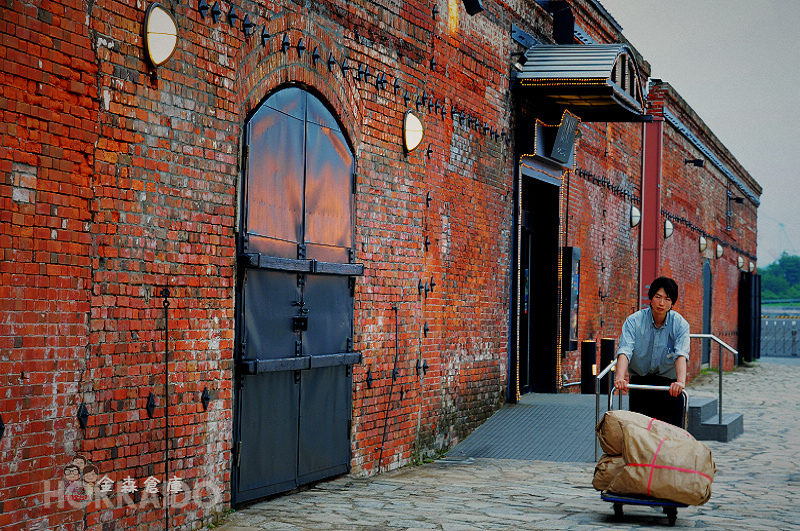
point(707, 294)
point(538, 273)
point(293, 378)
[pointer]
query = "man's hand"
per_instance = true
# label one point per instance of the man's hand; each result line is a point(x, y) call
point(675, 388)
point(621, 374)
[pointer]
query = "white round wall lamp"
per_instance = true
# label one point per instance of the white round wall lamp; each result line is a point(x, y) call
point(413, 132)
point(669, 228)
point(636, 216)
point(160, 34)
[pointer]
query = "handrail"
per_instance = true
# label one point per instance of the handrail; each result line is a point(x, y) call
point(729, 348)
point(597, 398)
point(715, 338)
point(634, 386)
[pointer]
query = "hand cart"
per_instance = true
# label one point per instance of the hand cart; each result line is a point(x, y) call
point(670, 507)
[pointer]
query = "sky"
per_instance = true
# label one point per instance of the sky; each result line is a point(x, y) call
point(737, 64)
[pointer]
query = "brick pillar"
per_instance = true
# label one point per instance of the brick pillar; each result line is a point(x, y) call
point(652, 227)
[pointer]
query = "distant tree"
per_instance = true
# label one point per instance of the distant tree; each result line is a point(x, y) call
point(781, 279)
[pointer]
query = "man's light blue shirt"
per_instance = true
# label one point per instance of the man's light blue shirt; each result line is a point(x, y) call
point(652, 350)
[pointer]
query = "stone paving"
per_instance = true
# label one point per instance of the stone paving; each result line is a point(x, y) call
point(757, 485)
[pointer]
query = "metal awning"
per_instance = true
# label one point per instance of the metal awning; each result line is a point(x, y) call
point(597, 82)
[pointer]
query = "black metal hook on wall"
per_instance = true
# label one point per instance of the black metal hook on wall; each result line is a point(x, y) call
point(83, 417)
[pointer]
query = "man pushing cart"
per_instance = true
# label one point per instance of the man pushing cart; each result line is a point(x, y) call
point(649, 458)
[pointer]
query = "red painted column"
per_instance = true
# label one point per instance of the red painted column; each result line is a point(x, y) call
point(652, 229)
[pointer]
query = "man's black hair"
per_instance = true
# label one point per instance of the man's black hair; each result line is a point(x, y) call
point(669, 285)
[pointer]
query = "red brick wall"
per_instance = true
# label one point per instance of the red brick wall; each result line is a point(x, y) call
point(605, 184)
point(116, 184)
point(48, 125)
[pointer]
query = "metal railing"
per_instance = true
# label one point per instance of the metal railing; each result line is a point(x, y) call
point(721, 344)
point(607, 373)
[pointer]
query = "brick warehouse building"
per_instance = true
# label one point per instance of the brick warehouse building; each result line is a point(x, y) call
point(332, 302)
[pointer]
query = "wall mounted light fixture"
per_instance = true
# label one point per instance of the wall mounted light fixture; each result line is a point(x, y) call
point(752, 267)
point(669, 228)
point(636, 216)
point(732, 199)
point(160, 34)
point(413, 132)
point(740, 262)
point(719, 251)
point(695, 162)
point(473, 7)
point(703, 243)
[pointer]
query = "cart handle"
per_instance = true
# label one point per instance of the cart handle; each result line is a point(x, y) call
point(648, 387)
point(651, 388)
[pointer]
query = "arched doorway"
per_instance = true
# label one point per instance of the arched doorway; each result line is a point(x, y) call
point(707, 293)
point(294, 314)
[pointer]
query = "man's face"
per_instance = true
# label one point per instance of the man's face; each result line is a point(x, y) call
point(660, 304)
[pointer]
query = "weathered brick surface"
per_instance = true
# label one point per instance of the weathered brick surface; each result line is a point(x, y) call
point(116, 184)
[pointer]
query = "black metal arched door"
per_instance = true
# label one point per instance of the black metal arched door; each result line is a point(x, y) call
point(293, 382)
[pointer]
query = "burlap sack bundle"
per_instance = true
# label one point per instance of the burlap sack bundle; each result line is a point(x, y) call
point(609, 429)
point(606, 470)
point(677, 469)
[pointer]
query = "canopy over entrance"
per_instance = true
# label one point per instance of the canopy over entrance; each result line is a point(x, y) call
point(597, 82)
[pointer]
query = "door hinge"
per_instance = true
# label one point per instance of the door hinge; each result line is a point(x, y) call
point(238, 454)
point(301, 251)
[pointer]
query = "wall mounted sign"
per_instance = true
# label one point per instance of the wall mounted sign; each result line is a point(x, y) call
point(555, 143)
point(565, 138)
point(160, 34)
point(570, 292)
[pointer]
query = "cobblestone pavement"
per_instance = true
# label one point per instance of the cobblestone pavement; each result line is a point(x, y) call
point(757, 485)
